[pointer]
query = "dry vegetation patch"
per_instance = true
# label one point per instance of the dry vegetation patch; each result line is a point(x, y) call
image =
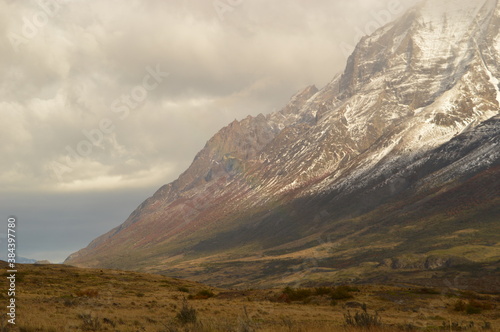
point(65, 298)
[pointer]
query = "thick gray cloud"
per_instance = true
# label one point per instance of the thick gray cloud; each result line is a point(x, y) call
point(72, 68)
point(51, 226)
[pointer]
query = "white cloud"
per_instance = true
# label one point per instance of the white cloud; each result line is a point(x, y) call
point(87, 54)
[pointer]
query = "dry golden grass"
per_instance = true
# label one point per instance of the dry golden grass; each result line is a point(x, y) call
point(64, 298)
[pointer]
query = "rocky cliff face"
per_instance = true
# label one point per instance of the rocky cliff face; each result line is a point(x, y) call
point(412, 121)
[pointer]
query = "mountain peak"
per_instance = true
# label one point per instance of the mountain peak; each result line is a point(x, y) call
point(440, 37)
point(306, 93)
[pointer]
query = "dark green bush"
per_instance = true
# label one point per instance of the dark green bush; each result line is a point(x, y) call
point(183, 289)
point(472, 310)
point(472, 307)
point(342, 293)
point(299, 294)
point(322, 290)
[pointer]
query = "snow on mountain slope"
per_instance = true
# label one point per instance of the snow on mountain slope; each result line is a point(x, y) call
point(415, 84)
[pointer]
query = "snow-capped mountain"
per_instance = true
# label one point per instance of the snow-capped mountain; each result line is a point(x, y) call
point(409, 125)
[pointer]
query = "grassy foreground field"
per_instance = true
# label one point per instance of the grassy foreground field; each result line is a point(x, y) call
point(65, 298)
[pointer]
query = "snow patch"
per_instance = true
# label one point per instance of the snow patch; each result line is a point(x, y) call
point(495, 82)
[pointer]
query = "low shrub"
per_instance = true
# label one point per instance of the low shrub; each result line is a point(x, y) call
point(202, 295)
point(429, 291)
point(87, 293)
point(187, 314)
point(183, 289)
point(299, 294)
point(460, 306)
point(322, 291)
point(362, 319)
point(342, 292)
point(109, 322)
point(70, 302)
point(90, 323)
point(472, 310)
point(472, 307)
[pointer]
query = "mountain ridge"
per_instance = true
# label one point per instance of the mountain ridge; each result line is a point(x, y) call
point(333, 160)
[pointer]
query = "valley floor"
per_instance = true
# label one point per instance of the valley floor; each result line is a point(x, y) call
point(65, 298)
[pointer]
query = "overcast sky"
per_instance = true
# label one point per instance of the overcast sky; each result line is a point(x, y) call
point(104, 101)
